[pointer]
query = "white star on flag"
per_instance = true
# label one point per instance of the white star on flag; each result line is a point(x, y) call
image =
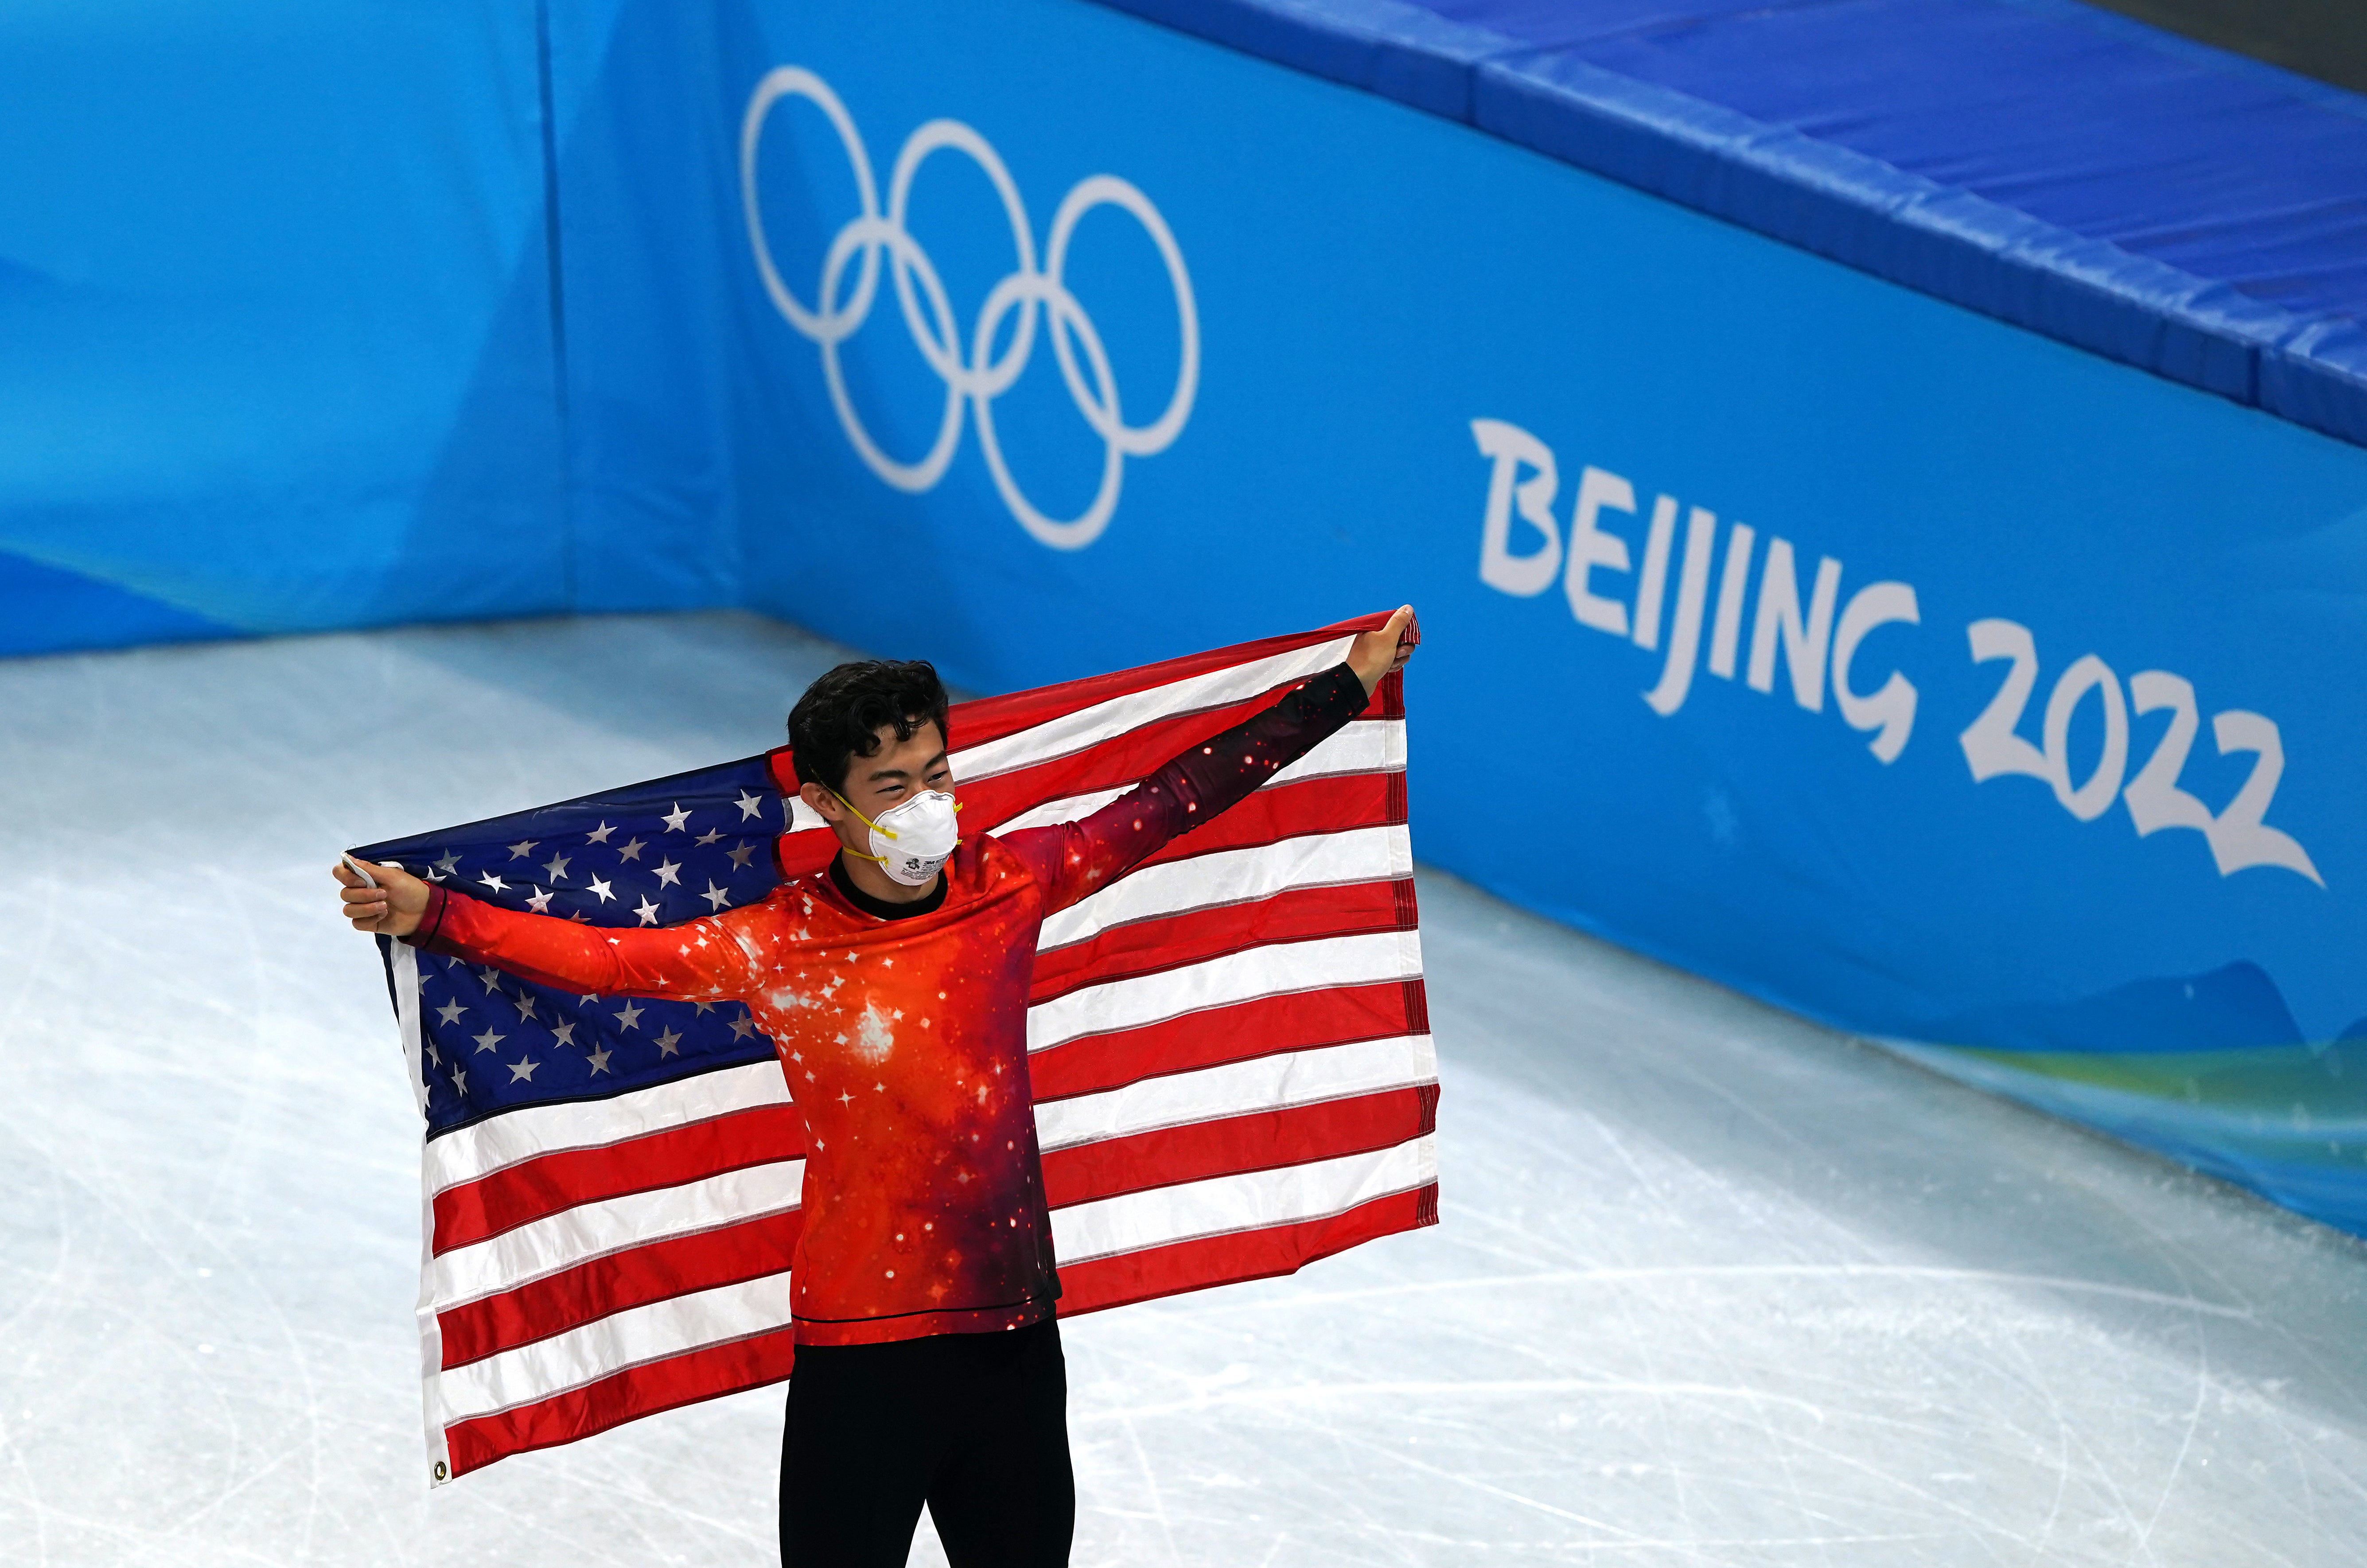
point(667, 1042)
point(647, 911)
point(557, 867)
point(750, 806)
point(450, 1011)
point(495, 883)
point(563, 1033)
point(668, 874)
point(488, 1039)
point(710, 837)
point(523, 1069)
point(630, 1015)
point(740, 856)
point(716, 896)
point(675, 819)
point(633, 850)
point(522, 849)
point(600, 1061)
point(602, 888)
point(599, 835)
point(539, 902)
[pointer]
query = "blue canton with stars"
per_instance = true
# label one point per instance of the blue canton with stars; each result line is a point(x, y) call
point(649, 854)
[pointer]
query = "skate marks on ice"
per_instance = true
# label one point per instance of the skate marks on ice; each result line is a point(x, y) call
point(1712, 1286)
point(209, 1162)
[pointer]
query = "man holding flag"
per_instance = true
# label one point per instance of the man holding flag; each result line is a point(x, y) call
point(894, 987)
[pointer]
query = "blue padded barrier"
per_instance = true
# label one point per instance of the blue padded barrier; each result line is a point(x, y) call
point(2168, 206)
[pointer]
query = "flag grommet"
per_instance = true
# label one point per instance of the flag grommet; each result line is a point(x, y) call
point(442, 1472)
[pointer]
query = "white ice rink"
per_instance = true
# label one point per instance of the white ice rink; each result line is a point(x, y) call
point(1713, 1286)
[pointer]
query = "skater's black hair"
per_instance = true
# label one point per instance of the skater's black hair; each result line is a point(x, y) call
point(841, 716)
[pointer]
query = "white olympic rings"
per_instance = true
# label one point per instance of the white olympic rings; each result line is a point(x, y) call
point(981, 376)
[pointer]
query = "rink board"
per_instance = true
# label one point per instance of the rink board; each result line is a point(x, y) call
point(2021, 721)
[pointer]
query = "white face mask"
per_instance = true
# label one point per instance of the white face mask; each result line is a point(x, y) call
point(912, 840)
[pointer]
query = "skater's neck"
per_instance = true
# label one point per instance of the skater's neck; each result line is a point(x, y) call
point(871, 903)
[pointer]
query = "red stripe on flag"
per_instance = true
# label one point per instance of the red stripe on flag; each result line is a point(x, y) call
point(992, 718)
point(1261, 1140)
point(1110, 764)
point(546, 1185)
point(1324, 805)
point(654, 1271)
point(704, 1373)
point(1331, 804)
point(983, 719)
point(1195, 936)
point(1243, 1254)
point(1121, 759)
point(1335, 1015)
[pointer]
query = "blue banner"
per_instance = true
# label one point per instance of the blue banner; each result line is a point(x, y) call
point(1893, 664)
point(284, 349)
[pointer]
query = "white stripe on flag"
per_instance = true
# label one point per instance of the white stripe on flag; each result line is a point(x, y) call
point(470, 1152)
point(1238, 1088)
point(633, 1338)
point(1228, 1204)
point(1273, 970)
point(612, 1224)
point(1235, 876)
point(1069, 809)
point(1364, 746)
point(1089, 727)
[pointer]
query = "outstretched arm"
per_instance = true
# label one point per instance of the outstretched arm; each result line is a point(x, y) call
point(706, 957)
point(1073, 859)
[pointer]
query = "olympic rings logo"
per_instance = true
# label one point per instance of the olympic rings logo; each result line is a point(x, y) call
point(976, 378)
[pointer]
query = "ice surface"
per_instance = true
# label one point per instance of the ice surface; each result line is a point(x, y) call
point(1712, 1286)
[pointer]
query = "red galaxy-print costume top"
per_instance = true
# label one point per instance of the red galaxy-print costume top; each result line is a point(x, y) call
point(905, 1041)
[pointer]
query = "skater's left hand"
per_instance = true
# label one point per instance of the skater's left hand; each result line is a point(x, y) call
point(1375, 654)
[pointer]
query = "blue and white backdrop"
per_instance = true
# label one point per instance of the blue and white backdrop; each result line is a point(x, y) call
point(1905, 668)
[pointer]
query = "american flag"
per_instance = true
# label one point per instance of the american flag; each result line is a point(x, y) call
point(1229, 1049)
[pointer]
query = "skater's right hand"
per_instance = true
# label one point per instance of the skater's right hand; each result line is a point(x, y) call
point(391, 908)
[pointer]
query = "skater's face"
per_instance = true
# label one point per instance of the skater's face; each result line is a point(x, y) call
point(894, 773)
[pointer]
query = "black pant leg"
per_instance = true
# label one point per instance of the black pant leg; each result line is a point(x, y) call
point(860, 1439)
point(1003, 1495)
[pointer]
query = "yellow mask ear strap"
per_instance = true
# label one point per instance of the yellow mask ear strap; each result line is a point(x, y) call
point(884, 833)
